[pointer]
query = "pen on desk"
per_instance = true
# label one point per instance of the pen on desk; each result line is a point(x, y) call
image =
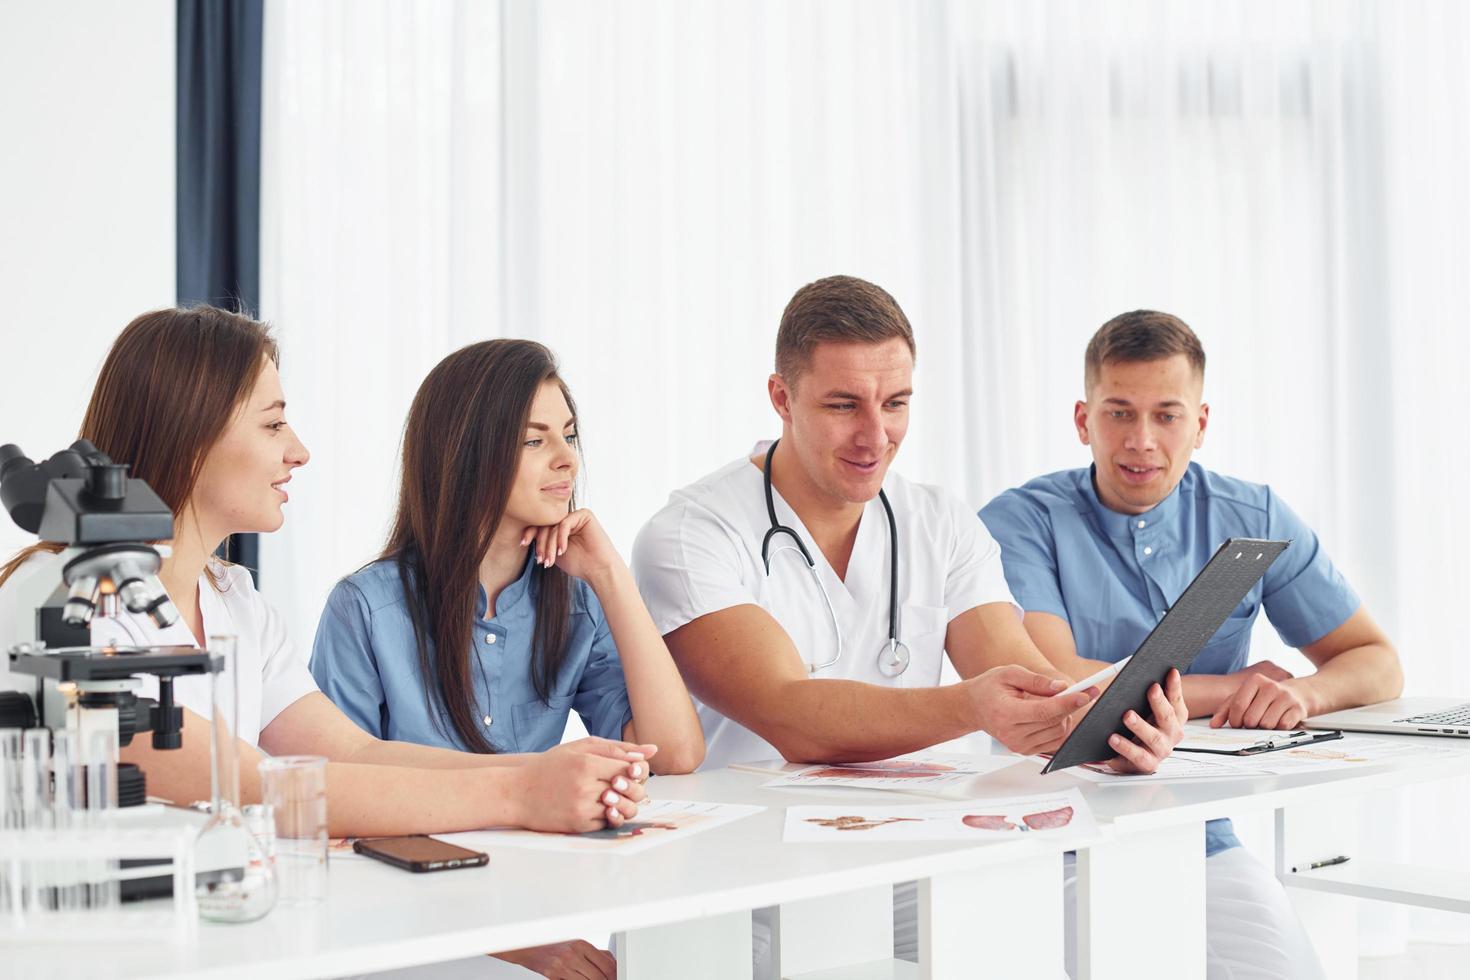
point(1340, 859)
point(1097, 678)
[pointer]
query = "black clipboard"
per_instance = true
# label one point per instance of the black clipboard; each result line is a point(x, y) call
point(1230, 573)
point(1286, 740)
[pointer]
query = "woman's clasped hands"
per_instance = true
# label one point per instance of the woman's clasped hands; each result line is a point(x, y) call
point(583, 785)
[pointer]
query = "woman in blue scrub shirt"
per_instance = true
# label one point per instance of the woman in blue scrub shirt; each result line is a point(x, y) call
point(497, 607)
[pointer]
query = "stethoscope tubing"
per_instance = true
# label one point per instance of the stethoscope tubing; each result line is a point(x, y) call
point(894, 645)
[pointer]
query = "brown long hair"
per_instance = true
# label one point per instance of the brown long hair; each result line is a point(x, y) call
point(461, 447)
point(169, 387)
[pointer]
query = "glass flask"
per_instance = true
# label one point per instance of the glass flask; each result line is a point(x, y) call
point(236, 881)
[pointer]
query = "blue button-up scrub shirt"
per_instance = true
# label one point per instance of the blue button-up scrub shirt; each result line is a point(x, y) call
point(1112, 576)
point(366, 660)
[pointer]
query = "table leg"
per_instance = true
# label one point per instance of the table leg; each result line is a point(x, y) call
point(834, 931)
point(716, 947)
point(1151, 884)
point(1313, 832)
point(1001, 921)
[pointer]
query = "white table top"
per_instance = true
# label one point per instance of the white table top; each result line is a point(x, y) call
point(377, 917)
point(1127, 806)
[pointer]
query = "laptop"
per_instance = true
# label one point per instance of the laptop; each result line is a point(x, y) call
point(1402, 716)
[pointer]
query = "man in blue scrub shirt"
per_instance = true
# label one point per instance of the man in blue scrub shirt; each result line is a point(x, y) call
point(1096, 555)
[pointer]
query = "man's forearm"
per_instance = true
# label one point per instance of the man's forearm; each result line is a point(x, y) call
point(849, 721)
point(1362, 675)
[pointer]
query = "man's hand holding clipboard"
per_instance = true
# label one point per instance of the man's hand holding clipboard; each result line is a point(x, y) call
point(1153, 738)
point(1171, 647)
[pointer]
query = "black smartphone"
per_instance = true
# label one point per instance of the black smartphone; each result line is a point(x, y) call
point(420, 853)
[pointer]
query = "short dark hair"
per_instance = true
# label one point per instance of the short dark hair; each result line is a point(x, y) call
point(843, 309)
point(1142, 335)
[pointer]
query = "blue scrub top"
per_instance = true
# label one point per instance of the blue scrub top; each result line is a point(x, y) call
point(1112, 576)
point(365, 659)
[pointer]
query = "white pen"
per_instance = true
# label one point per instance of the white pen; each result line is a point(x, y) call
point(1097, 678)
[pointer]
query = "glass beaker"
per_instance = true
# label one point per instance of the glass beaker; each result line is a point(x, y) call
point(235, 882)
point(294, 787)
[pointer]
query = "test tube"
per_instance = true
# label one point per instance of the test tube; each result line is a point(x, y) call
point(102, 774)
point(65, 776)
point(10, 747)
point(35, 778)
point(10, 768)
point(35, 802)
point(104, 892)
point(63, 780)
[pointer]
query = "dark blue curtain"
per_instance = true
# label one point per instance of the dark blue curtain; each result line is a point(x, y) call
point(218, 137)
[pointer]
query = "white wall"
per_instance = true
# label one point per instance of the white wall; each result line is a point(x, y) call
point(86, 203)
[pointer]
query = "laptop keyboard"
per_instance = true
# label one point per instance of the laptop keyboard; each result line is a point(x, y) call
point(1458, 715)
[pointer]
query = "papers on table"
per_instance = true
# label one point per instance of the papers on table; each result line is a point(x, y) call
point(1174, 767)
point(1200, 737)
point(658, 822)
point(1348, 752)
point(1063, 813)
point(928, 774)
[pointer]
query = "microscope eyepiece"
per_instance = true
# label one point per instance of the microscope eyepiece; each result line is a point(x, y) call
point(19, 487)
point(10, 454)
point(90, 453)
point(79, 496)
point(108, 481)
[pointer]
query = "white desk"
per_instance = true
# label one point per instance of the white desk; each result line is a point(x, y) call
point(992, 910)
point(377, 917)
point(1315, 817)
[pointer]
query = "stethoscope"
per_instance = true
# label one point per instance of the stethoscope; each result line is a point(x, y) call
point(893, 658)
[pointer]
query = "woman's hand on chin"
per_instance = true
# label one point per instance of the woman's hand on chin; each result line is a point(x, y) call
point(577, 543)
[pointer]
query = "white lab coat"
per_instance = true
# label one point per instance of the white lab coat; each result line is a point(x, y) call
point(702, 553)
point(271, 669)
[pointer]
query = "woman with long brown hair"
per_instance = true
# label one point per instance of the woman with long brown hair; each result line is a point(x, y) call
point(192, 401)
point(497, 606)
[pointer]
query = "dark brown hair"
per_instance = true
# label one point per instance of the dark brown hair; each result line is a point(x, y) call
point(843, 309)
point(1142, 335)
point(461, 447)
point(171, 384)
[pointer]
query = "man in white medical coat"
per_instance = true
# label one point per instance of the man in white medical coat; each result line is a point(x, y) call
point(774, 670)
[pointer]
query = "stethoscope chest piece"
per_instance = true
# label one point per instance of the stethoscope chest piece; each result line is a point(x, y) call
point(894, 659)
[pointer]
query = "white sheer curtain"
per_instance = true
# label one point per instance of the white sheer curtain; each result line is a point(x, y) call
point(642, 186)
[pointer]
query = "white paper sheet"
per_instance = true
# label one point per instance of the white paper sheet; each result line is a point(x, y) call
point(1348, 752)
point(1174, 767)
point(1199, 735)
point(925, 774)
point(1063, 813)
point(657, 822)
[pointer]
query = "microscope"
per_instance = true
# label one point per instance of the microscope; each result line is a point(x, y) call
point(102, 523)
point(103, 520)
